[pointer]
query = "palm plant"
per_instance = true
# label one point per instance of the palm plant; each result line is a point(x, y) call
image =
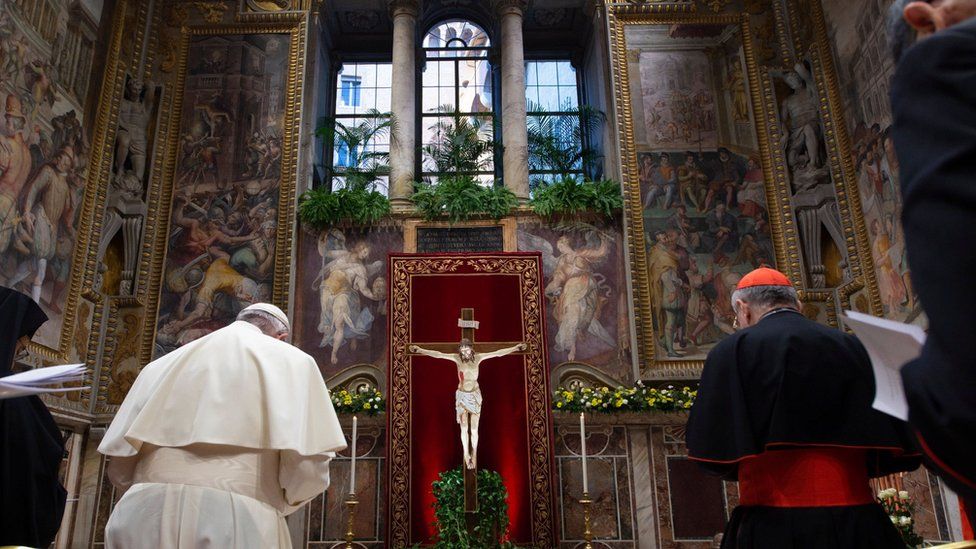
point(365, 165)
point(462, 148)
point(357, 199)
point(558, 144)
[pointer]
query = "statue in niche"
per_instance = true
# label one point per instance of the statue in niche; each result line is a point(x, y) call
point(131, 141)
point(814, 200)
point(126, 205)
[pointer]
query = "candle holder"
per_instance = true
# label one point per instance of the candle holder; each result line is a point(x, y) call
point(587, 533)
point(351, 503)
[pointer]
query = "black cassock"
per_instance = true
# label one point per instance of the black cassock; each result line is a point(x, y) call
point(31, 496)
point(933, 102)
point(784, 408)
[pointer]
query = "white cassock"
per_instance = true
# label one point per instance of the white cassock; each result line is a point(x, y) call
point(217, 441)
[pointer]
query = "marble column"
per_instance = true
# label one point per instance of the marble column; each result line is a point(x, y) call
point(515, 163)
point(403, 100)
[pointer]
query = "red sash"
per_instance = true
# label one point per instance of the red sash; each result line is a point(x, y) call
point(807, 477)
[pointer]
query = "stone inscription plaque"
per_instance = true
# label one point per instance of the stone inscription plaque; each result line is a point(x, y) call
point(460, 239)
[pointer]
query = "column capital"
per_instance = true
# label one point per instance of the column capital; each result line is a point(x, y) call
point(510, 7)
point(404, 7)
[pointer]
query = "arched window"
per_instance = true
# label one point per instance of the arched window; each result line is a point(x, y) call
point(457, 88)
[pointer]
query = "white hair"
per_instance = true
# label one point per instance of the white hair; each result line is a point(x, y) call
point(267, 322)
point(766, 296)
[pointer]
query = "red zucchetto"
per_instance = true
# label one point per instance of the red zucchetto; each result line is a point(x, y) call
point(763, 276)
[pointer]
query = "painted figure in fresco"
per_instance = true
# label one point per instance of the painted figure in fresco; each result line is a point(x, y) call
point(722, 234)
point(801, 119)
point(576, 290)
point(752, 195)
point(737, 88)
point(131, 142)
point(342, 283)
point(699, 317)
point(727, 176)
point(692, 182)
point(664, 182)
point(894, 294)
point(467, 398)
point(48, 217)
point(15, 167)
point(663, 266)
point(219, 278)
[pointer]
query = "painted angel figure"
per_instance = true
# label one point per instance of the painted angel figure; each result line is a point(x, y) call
point(575, 288)
point(342, 283)
point(467, 398)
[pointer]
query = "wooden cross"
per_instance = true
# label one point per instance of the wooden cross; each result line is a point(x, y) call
point(468, 325)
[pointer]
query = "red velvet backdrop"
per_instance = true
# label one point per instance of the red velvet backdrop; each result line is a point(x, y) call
point(433, 308)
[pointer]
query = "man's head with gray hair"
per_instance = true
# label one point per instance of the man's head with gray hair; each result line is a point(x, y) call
point(750, 304)
point(913, 20)
point(268, 323)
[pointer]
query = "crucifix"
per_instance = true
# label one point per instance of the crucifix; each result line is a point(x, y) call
point(468, 355)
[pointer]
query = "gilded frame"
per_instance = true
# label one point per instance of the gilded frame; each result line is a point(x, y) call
point(295, 26)
point(762, 97)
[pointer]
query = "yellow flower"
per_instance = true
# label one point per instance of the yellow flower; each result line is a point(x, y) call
point(559, 405)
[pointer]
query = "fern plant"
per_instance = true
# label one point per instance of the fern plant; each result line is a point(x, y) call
point(462, 148)
point(557, 144)
point(357, 200)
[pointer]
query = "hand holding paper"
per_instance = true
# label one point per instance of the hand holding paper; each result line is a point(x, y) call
point(890, 346)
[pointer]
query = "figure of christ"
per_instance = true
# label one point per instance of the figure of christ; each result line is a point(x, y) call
point(467, 398)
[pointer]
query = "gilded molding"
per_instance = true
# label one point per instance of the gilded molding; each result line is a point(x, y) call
point(162, 184)
point(785, 241)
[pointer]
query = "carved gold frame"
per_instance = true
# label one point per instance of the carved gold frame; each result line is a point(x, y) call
point(784, 235)
point(157, 228)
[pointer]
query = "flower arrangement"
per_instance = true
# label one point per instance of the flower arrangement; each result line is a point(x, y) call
point(899, 507)
point(365, 401)
point(639, 398)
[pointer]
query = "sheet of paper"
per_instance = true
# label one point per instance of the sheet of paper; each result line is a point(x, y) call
point(46, 376)
point(890, 346)
point(19, 391)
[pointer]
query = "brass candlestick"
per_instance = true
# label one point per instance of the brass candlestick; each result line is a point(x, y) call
point(351, 503)
point(587, 534)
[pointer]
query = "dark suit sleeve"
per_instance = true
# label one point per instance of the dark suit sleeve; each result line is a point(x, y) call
point(934, 108)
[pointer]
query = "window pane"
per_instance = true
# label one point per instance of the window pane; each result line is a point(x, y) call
point(567, 98)
point(530, 73)
point(383, 100)
point(547, 73)
point(384, 75)
point(566, 73)
point(431, 99)
point(549, 98)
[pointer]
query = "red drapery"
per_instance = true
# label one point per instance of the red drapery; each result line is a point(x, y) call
point(515, 394)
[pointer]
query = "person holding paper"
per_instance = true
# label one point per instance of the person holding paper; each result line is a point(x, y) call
point(31, 496)
point(784, 408)
point(933, 102)
point(220, 439)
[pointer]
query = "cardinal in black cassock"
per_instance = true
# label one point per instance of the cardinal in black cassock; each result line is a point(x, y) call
point(784, 408)
point(31, 496)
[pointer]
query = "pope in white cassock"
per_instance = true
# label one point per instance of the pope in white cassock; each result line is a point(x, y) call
point(220, 439)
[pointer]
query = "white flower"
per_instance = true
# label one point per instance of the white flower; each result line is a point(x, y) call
point(905, 521)
point(903, 495)
point(887, 493)
point(894, 519)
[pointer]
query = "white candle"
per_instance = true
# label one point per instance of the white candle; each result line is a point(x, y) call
point(586, 484)
point(352, 474)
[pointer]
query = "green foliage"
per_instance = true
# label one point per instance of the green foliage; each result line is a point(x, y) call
point(356, 200)
point(461, 197)
point(558, 144)
point(569, 195)
point(491, 525)
point(639, 398)
point(462, 147)
point(365, 165)
point(321, 208)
